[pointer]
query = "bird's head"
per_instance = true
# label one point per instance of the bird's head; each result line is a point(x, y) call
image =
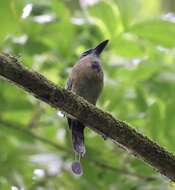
point(95, 52)
point(91, 57)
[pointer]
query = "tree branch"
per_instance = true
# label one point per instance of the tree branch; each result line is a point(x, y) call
point(96, 119)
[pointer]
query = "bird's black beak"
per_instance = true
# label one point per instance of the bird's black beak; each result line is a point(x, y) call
point(98, 50)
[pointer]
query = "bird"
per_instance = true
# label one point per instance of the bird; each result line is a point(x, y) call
point(85, 80)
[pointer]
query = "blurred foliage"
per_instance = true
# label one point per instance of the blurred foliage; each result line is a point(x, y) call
point(48, 36)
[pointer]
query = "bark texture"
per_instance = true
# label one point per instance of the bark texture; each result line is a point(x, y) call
point(101, 122)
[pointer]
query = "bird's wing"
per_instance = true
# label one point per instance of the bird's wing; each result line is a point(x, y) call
point(69, 87)
point(69, 84)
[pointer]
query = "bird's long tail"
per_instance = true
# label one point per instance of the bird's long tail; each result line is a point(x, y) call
point(78, 144)
point(78, 137)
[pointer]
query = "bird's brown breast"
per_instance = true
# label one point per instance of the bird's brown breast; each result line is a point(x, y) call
point(87, 81)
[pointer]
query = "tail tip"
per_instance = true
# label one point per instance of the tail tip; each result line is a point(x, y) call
point(76, 168)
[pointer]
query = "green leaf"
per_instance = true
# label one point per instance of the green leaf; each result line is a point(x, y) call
point(154, 123)
point(140, 101)
point(127, 47)
point(170, 122)
point(106, 16)
point(10, 11)
point(159, 32)
point(128, 10)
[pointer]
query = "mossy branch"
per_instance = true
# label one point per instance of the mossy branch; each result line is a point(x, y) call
point(101, 122)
